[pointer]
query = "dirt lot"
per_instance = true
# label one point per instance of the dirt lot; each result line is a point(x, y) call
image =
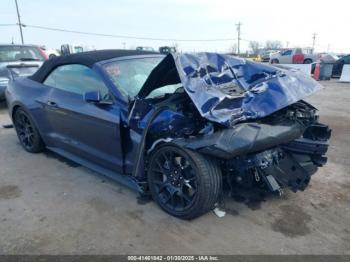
point(49, 205)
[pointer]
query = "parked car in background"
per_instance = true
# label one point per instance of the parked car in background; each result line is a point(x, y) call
point(265, 56)
point(68, 49)
point(338, 65)
point(341, 55)
point(18, 60)
point(293, 56)
point(167, 50)
point(52, 53)
point(179, 127)
point(145, 48)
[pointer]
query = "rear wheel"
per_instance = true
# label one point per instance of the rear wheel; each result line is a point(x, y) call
point(274, 61)
point(307, 61)
point(184, 183)
point(27, 132)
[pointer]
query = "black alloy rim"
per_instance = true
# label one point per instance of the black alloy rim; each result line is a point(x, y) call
point(24, 130)
point(174, 179)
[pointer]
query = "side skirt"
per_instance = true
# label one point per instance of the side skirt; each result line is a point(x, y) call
point(126, 180)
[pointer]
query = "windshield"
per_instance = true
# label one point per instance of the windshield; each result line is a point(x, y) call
point(130, 75)
point(19, 53)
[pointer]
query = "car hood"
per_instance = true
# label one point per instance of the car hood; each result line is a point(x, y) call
point(227, 89)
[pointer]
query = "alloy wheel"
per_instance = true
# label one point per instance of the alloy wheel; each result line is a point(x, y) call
point(174, 179)
point(25, 130)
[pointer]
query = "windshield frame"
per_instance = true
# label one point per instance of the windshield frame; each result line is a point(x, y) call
point(106, 76)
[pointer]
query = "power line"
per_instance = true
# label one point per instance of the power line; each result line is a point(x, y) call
point(126, 36)
point(8, 24)
point(242, 39)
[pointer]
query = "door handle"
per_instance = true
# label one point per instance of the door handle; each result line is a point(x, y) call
point(51, 104)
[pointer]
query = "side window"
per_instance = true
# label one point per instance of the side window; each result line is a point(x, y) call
point(76, 79)
point(288, 52)
point(51, 79)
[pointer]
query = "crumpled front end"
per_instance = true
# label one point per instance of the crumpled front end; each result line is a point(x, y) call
point(228, 90)
point(280, 151)
point(249, 117)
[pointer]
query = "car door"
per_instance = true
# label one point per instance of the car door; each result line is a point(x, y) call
point(298, 57)
point(90, 131)
point(286, 57)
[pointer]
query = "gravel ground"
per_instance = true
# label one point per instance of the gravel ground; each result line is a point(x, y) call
point(49, 205)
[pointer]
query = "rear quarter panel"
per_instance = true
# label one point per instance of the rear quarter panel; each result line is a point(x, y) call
point(31, 96)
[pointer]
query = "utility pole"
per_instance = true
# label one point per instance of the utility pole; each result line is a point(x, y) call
point(313, 41)
point(19, 22)
point(238, 36)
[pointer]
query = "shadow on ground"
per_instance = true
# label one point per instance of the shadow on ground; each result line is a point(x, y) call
point(251, 197)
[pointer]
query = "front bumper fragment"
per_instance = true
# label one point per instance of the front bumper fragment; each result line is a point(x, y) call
point(244, 138)
point(289, 165)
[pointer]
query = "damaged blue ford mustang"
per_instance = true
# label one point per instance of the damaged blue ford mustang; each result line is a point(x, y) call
point(181, 127)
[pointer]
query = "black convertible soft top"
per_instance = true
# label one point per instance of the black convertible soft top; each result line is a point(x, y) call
point(86, 58)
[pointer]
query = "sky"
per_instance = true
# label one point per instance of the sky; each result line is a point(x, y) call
point(291, 22)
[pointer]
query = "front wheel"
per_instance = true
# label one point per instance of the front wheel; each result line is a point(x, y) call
point(184, 183)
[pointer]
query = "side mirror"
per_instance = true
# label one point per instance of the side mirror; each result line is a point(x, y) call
point(92, 96)
point(95, 97)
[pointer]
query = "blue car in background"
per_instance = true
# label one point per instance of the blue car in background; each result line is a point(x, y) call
point(180, 127)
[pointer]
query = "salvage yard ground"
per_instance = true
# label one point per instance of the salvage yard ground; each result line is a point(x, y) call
point(49, 205)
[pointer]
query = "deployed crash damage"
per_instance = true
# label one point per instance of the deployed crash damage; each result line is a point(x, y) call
point(247, 116)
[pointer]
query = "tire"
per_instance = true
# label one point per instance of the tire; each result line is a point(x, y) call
point(307, 61)
point(185, 184)
point(275, 61)
point(27, 132)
